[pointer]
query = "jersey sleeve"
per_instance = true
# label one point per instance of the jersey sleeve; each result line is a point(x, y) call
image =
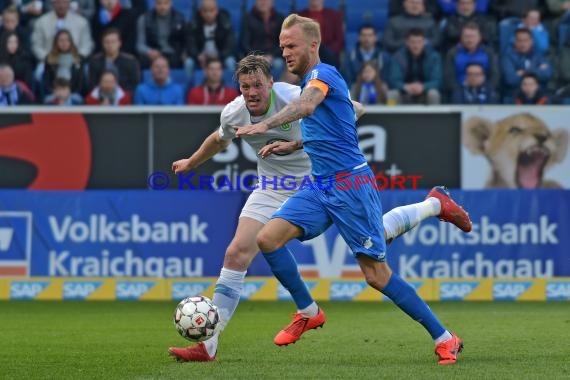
point(286, 91)
point(326, 75)
point(228, 119)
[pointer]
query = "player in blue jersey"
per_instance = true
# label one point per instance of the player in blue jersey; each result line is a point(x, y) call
point(345, 197)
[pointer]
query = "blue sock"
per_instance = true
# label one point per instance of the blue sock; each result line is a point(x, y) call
point(405, 296)
point(284, 267)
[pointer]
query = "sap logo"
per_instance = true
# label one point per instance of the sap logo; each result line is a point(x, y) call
point(284, 295)
point(6, 238)
point(508, 291)
point(132, 290)
point(27, 290)
point(250, 288)
point(557, 291)
point(79, 290)
point(414, 284)
point(453, 291)
point(182, 290)
point(346, 290)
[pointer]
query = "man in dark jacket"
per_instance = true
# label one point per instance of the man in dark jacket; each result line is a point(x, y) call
point(124, 65)
point(415, 72)
point(260, 33)
point(112, 15)
point(466, 12)
point(475, 89)
point(210, 35)
point(161, 32)
point(414, 16)
point(367, 48)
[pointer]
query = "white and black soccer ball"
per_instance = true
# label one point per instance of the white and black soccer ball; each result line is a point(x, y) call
point(195, 318)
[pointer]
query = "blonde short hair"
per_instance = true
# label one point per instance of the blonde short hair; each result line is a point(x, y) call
point(310, 27)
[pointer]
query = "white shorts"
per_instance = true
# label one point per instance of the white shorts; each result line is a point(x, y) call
point(262, 204)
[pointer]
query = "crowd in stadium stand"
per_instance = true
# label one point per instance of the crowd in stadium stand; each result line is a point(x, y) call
point(174, 52)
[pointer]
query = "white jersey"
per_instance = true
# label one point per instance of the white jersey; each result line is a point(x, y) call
point(295, 164)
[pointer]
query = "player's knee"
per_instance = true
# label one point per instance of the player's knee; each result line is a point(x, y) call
point(238, 257)
point(377, 280)
point(266, 242)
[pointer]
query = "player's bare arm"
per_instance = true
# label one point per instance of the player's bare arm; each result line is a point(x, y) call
point(304, 106)
point(358, 109)
point(285, 147)
point(209, 148)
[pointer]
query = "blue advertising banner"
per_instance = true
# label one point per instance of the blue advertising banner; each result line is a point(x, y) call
point(516, 233)
point(117, 233)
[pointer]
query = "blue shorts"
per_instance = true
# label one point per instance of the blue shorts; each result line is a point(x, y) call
point(355, 209)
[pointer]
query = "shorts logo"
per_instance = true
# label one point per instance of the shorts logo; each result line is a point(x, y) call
point(250, 288)
point(132, 290)
point(27, 290)
point(367, 242)
point(558, 290)
point(456, 291)
point(509, 291)
point(182, 290)
point(79, 290)
point(346, 290)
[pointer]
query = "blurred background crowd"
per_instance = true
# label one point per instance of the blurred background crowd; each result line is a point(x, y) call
point(174, 52)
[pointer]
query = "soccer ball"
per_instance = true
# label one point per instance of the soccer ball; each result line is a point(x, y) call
point(196, 318)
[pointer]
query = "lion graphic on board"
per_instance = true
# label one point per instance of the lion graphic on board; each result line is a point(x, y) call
point(520, 149)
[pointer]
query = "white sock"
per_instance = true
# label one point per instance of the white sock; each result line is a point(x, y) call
point(444, 337)
point(309, 311)
point(402, 219)
point(226, 297)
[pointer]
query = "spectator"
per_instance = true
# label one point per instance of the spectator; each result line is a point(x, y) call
point(11, 23)
point(85, 8)
point(62, 95)
point(563, 85)
point(112, 15)
point(414, 16)
point(160, 32)
point(111, 58)
point(558, 7)
point(531, 21)
point(469, 50)
point(512, 8)
point(260, 33)
point(521, 60)
point(450, 7)
point(530, 92)
point(159, 90)
point(332, 30)
point(13, 53)
point(415, 72)
point(466, 12)
point(12, 92)
point(108, 92)
point(210, 35)
point(30, 11)
point(63, 61)
point(367, 48)
point(47, 26)
point(396, 7)
point(368, 87)
point(212, 91)
point(475, 89)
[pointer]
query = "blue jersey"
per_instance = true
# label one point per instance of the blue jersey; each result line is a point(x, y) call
point(329, 134)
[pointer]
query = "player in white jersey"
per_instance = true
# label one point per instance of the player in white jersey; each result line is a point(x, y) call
point(260, 99)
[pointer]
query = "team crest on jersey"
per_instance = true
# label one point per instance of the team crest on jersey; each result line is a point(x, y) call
point(286, 127)
point(314, 74)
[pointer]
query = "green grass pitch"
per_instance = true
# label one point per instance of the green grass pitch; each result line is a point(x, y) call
point(128, 340)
